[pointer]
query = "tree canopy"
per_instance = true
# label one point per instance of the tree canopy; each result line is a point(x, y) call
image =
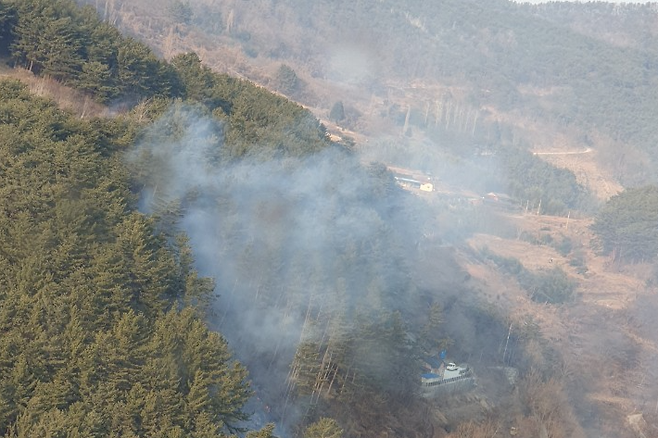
point(71, 44)
point(101, 305)
point(96, 338)
point(102, 308)
point(627, 225)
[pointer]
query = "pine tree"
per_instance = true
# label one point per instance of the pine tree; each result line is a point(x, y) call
point(137, 68)
point(323, 428)
point(198, 398)
point(337, 113)
point(96, 78)
point(286, 79)
point(205, 427)
point(181, 11)
point(305, 368)
point(7, 22)
point(265, 432)
point(16, 389)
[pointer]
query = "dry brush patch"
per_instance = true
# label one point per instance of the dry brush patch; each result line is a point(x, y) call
point(603, 339)
point(67, 98)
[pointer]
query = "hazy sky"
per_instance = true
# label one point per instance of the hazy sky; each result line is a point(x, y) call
point(608, 1)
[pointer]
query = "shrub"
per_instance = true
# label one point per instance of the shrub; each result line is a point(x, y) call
point(553, 287)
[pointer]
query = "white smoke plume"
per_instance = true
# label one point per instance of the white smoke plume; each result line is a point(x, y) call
point(282, 238)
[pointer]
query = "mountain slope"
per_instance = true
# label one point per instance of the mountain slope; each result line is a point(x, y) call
point(513, 65)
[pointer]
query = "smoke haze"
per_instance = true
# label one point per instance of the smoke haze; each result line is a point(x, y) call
point(326, 239)
point(288, 240)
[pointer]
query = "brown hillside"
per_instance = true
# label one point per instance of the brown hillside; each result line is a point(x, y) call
point(66, 97)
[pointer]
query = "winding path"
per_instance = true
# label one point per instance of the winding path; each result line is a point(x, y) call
point(586, 151)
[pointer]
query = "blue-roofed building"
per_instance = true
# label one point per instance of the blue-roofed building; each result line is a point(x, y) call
point(430, 379)
point(433, 363)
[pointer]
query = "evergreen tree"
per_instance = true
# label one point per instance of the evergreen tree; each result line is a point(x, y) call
point(46, 38)
point(181, 11)
point(7, 22)
point(323, 428)
point(337, 113)
point(627, 226)
point(197, 79)
point(265, 432)
point(87, 349)
point(286, 79)
point(96, 78)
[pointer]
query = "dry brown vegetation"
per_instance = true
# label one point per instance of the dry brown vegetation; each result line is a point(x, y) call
point(605, 344)
point(66, 97)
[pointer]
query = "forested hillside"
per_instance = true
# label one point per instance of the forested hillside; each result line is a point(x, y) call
point(465, 80)
point(79, 49)
point(72, 45)
point(102, 307)
point(203, 200)
point(96, 336)
point(102, 310)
